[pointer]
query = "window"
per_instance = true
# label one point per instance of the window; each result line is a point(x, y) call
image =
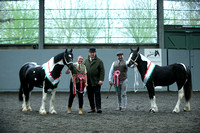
point(183, 12)
point(79, 21)
point(101, 21)
point(19, 22)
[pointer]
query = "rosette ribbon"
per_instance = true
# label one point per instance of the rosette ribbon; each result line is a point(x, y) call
point(116, 77)
point(81, 77)
point(74, 83)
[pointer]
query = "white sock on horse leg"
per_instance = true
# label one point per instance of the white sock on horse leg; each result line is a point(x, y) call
point(52, 100)
point(187, 106)
point(153, 104)
point(28, 106)
point(180, 96)
point(44, 98)
point(24, 103)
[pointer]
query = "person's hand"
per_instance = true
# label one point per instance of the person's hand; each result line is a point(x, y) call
point(135, 63)
point(100, 82)
point(67, 71)
point(110, 82)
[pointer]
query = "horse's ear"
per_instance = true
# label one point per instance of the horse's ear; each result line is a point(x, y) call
point(131, 49)
point(66, 51)
point(71, 50)
point(137, 49)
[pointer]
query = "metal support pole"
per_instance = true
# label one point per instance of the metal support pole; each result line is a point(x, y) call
point(41, 24)
point(160, 23)
point(167, 65)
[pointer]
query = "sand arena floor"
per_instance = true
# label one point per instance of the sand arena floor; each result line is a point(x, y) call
point(136, 118)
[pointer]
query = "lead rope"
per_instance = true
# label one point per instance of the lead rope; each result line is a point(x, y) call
point(136, 83)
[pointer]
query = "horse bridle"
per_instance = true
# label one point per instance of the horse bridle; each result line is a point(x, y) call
point(135, 58)
point(67, 63)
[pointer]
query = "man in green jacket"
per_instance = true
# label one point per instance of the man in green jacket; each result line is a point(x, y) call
point(95, 77)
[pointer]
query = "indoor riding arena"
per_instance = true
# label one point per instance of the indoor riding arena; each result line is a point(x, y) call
point(157, 40)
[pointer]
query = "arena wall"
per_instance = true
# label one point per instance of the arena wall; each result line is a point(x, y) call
point(12, 60)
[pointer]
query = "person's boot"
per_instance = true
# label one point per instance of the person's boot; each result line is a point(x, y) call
point(91, 111)
point(69, 110)
point(99, 111)
point(80, 112)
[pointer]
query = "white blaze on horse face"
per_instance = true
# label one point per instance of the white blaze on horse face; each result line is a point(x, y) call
point(129, 59)
point(70, 61)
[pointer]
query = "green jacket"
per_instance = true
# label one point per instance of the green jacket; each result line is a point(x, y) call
point(95, 70)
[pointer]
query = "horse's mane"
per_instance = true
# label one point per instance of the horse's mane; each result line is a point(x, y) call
point(58, 57)
point(143, 58)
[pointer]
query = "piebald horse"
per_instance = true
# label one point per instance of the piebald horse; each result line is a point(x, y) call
point(46, 76)
point(153, 75)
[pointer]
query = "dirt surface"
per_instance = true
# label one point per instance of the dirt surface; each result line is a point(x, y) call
point(136, 118)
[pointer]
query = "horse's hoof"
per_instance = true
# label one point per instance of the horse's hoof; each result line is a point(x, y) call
point(53, 112)
point(174, 111)
point(186, 109)
point(151, 111)
point(24, 110)
point(43, 112)
point(29, 109)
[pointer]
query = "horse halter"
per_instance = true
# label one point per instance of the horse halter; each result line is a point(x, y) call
point(67, 63)
point(135, 58)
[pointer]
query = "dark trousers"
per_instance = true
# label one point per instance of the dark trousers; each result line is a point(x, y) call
point(80, 95)
point(94, 96)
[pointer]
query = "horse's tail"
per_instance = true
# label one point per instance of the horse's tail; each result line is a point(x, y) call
point(20, 93)
point(21, 86)
point(21, 77)
point(188, 86)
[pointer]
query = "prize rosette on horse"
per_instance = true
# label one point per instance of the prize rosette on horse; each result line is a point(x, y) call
point(116, 77)
point(48, 67)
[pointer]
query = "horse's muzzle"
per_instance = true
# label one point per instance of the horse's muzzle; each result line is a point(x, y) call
point(129, 64)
